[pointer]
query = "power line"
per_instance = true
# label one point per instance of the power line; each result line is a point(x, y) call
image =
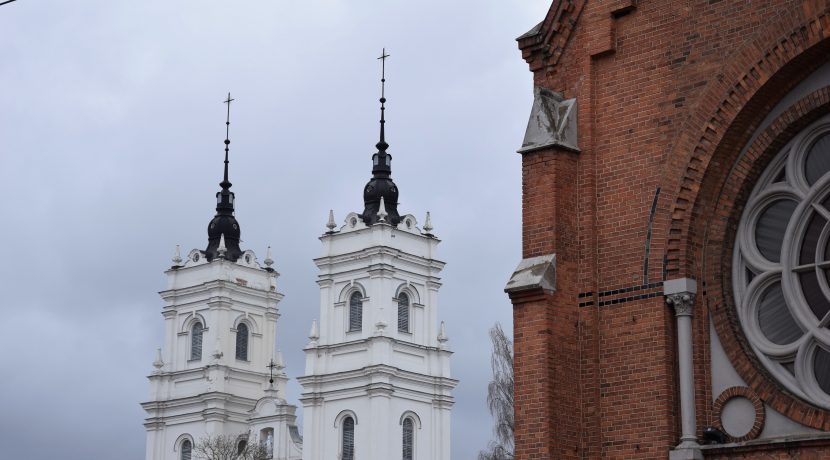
point(7, 1)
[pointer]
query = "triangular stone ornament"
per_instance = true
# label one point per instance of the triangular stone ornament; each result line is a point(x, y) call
point(552, 122)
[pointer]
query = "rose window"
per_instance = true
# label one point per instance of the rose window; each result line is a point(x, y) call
point(781, 269)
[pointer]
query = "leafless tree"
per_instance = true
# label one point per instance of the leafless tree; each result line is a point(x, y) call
point(230, 447)
point(500, 397)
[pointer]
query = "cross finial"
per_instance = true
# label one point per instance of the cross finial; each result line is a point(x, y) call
point(382, 145)
point(227, 137)
point(382, 58)
point(271, 366)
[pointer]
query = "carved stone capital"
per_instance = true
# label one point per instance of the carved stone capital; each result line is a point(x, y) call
point(680, 294)
point(683, 303)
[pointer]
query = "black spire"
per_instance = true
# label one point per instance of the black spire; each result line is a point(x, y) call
point(381, 184)
point(224, 223)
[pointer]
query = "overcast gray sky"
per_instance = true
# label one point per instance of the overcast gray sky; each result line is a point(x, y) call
point(111, 129)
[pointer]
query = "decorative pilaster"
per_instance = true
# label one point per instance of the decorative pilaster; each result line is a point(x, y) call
point(680, 294)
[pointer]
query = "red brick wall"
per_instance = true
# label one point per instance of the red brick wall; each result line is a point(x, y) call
point(668, 92)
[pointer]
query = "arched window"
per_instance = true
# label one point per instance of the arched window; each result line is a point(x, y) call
point(403, 312)
point(782, 255)
point(242, 341)
point(355, 312)
point(187, 450)
point(348, 439)
point(408, 438)
point(196, 341)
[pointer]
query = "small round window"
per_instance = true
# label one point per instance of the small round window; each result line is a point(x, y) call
point(781, 274)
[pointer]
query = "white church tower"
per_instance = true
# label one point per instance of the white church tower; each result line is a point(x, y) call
point(218, 373)
point(377, 384)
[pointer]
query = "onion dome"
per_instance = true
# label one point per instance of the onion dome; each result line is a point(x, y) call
point(224, 223)
point(381, 184)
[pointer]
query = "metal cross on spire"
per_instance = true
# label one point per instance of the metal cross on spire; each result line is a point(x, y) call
point(227, 139)
point(271, 366)
point(382, 145)
point(382, 58)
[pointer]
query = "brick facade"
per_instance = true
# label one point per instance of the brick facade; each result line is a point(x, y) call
point(669, 93)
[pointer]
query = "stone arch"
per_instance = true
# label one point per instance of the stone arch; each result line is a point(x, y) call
point(409, 290)
point(342, 416)
point(191, 319)
point(253, 327)
point(732, 107)
point(411, 415)
point(177, 444)
point(349, 289)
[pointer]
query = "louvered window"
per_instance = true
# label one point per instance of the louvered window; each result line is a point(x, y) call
point(187, 449)
point(355, 312)
point(348, 439)
point(196, 341)
point(403, 313)
point(242, 342)
point(408, 435)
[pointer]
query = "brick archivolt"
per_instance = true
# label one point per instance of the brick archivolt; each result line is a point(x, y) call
point(733, 105)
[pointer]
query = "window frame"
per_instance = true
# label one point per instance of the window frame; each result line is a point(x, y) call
point(238, 333)
point(344, 426)
point(191, 341)
point(352, 324)
point(792, 365)
point(407, 309)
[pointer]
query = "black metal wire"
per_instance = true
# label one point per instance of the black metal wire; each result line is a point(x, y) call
point(7, 1)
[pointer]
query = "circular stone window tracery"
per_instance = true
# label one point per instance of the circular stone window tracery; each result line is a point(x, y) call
point(781, 269)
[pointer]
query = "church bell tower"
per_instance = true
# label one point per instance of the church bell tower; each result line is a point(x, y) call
point(215, 375)
point(377, 383)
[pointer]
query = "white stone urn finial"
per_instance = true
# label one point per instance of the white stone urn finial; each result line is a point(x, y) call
point(330, 224)
point(428, 224)
point(222, 248)
point(314, 334)
point(268, 260)
point(382, 214)
point(177, 257)
point(158, 363)
point(442, 335)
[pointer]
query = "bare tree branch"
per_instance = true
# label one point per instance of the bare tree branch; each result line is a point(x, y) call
point(230, 447)
point(500, 397)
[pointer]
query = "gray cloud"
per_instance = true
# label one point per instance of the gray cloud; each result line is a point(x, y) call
point(110, 140)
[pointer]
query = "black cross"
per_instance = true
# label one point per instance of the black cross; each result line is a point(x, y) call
point(228, 101)
point(382, 58)
point(271, 366)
